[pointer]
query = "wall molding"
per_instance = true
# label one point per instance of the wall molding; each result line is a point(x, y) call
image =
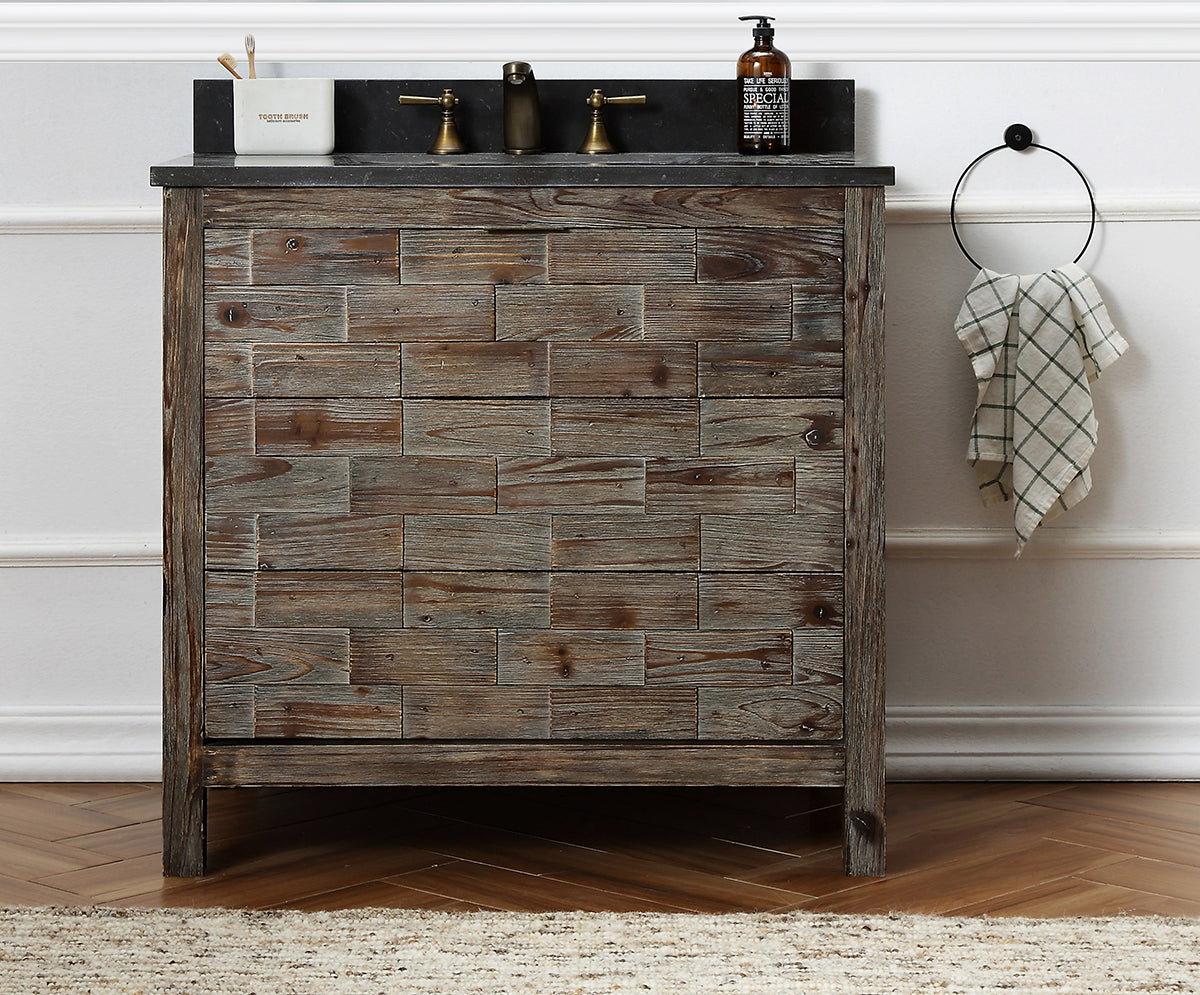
point(123, 743)
point(81, 551)
point(832, 30)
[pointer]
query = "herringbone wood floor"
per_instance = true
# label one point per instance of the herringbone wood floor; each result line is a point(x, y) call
point(1028, 849)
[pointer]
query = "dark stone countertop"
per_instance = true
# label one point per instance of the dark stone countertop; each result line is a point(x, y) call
point(496, 169)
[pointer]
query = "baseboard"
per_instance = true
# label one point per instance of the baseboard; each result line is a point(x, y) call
point(951, 743)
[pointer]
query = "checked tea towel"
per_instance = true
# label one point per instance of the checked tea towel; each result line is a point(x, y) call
point(1035, 343)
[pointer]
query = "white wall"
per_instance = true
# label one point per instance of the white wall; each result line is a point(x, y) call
point(1079, 660)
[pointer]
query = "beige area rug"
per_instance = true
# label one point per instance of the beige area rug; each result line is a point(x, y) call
point(381, 952)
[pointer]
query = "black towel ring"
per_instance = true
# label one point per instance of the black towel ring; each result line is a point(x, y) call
point(1019, 137)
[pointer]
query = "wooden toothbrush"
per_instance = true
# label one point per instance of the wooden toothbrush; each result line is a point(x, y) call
point(229, 62)
point(250, 54)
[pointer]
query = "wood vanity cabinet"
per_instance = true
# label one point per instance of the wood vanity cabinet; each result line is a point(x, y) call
point(523, 485)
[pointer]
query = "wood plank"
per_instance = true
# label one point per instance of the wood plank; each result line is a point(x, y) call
point(820, 483)
point(273, 483)
point(329, 598)
point(622, 369)
point(227, 369)
point(769, 426)
point(567, 485)
point(594, 207)
point(607, 257)
point(329, 427)
point(476, 428)
point(419, 656)
point(479, 763)
point(570, 656)
point(616, 600)
point(770, 713)
point(716, 659)
point(476, 600)
point(318, 711)
point(817, 316)
point(768, 369)
point(683, 486)
point(476, 713)
point(324, 256)
point(474, 369)
point(314, 370)
point(569, 313)
point(420, 314)
point(625, 542)
point(690, 313)
point(770, 601)
point(228, 426)
point(228, 598)
point(416, 485)
point(274, 314)
point(228, 712)
point(226, 254)
point(330, 542)
point(817, 657)
point(230, 542)
point(184, 798)
point(772, 542)
point(476, 542)
point(268, 656)
point(607, 713)
point(465, 257)
point(623, 427)
point(807, 257)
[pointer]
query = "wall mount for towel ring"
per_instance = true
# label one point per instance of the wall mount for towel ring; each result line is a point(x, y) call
point(1019, 137)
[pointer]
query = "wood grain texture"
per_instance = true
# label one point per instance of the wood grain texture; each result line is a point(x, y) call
point(416, 485)
point(772, 542)
point(420, 656)
point(686, 312)
point(623, 427)
point(273, 483)
point(228, 598)
point(770, 601)
point(769, 426)
point(655, 255)
point(483, 599)
point(315, 370)
point(476, 713)
point(566, 485)
point(768, 369)
point(468, 369)
point(626, 542)
point(327, 712)
point(231, 541)
point(421, 314)
point(330, 542)
point(682, 486)
point(455, 427)
point(228, 426)
point(477, 542)
point(623, 369)
point(570, 657)
point(355, 426)
point(719, 659)
point(268, 656)
point(274, 314)
point(227, 369)
point(817, 316)
point(619, 713)
point(324, 256)
point(464, 257)
point(228, 714)
point(184, 799)
point(615, 600)
point(800, 256)
point(226, 255)
point(770, 713)
point(329, 598)
point(569, 313)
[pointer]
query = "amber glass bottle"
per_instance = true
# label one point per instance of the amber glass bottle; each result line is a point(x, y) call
point(764, 84)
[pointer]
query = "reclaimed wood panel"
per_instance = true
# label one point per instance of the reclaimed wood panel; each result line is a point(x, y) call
point(623, 369)
point(228, 426)
point(818, 657)
point(329, 598)
point(623, 427)
point(227, 369)
point(623, 600)
point(333, 427)
point(228, 712)
point(476, 713)
point(272, 483)
point(477, 542)
point(690, 313)
point(655, 255)
point(328, 712)
point(275, 314)
point(464, 257)
point(762, 542)
point(324, 256)
point(228, 600)
point(770, 601)
point(768, 426)
point(801, 256)
point(231, 541)
point(470, 369)
point(553, 656)
point(820, 482)
point(420, 314)
point(488, 599)
point(416, 485)
point(226, 253)
point(683, 486)
point(421, 656)
point(593, 207)
point(569, 313)
point(268, 656)
point(476, 427)
point(716, 659)
point(775, 713)
point(330, 542)
point(767, 369)
point(607, 713)
point(313, 370)
point(566, 485)
point(625, 542)
point(817, 316)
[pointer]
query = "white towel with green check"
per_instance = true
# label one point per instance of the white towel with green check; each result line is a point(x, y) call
point(1036, 343)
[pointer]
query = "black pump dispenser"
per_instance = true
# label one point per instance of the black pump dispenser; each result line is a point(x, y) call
point(762, 30)
point(764, 101)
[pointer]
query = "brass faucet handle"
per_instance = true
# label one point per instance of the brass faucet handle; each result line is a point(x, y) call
point(597, 141)
point(447, 141)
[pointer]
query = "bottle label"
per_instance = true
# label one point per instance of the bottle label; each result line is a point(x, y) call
point(766, 108)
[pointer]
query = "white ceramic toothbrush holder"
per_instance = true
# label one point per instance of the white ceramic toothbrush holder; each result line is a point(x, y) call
point(283, 116)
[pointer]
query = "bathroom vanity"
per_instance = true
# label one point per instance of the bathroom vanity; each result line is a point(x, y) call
point(553, 472)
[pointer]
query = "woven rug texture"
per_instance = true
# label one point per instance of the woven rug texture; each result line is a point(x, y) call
point(382, 952)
